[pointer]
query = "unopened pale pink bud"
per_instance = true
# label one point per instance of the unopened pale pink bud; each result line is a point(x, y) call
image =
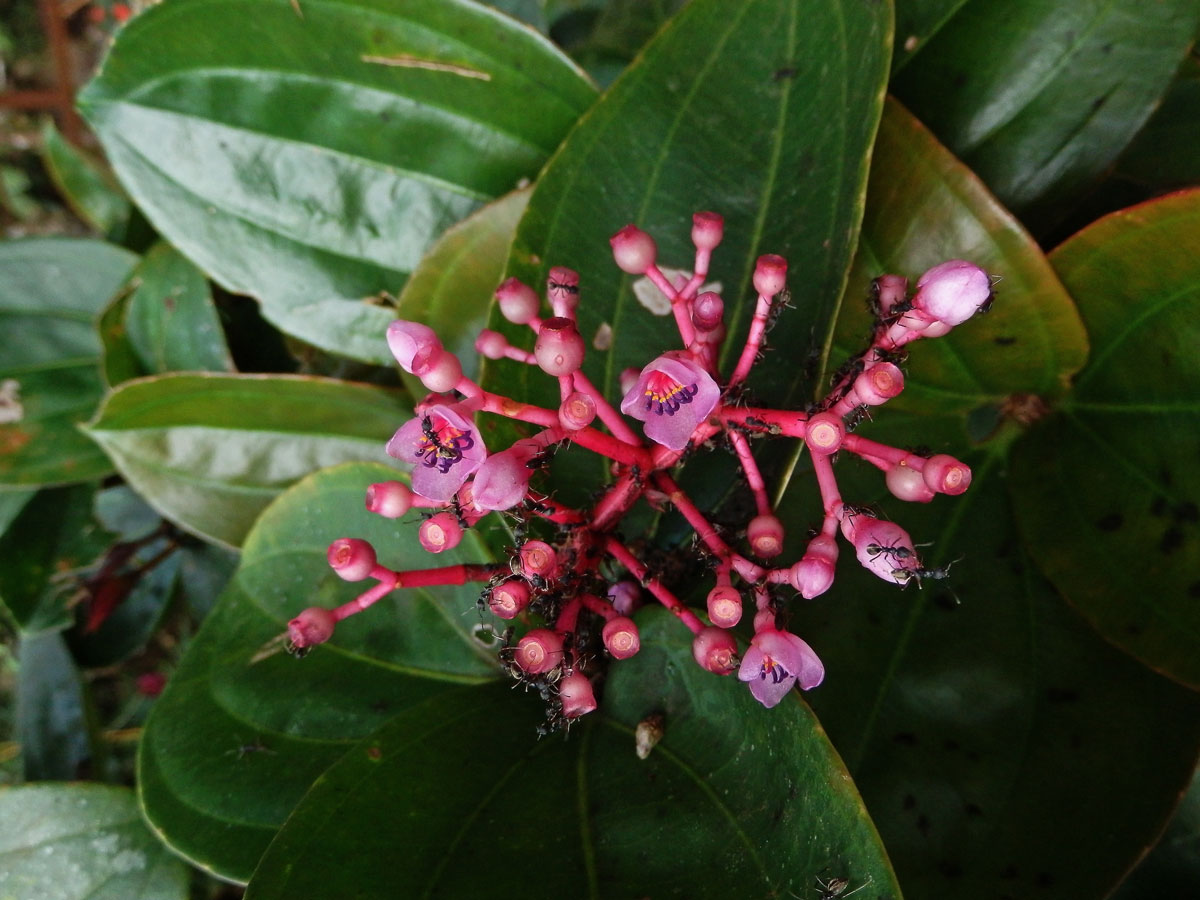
point(953, 291)
point(824, 433)
point(628, 378)
point(440, 532)
point(884, 548)
point(390, 499)
point(509, 598)
point(765, 536)
point(413, 345)
point(443, 372)
point(576, 695)
point(879, 384)
point(519, 302)
point(625, 597)
point(889, 291)
point(770, 274)
point(715, 649)
point(633, 249)
point(351, 558)
point(539, 651)
point(559, 348)
point(707, 230)
point(621, 637)
point(946, 475)
point(906, 483)
point(708, 311)
point(812, 576)
point(503, 480)
point(537, 559)
point(491, 344)
point(724, 606)
point(313, 626)
point(578, 411)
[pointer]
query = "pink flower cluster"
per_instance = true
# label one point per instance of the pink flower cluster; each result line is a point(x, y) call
point(576, 586)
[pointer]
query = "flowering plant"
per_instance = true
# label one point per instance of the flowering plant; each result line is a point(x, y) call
point(416, 251)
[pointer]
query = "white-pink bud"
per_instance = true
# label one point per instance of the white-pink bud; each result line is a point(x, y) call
point(906, 483)
point(559, 348)
point(813, 574)
point(539, 651)
point(443, 372)
point(770, 275)
point(633, 249)
point(708, 311)
point(440, 532)
point(576, 695)
point(413, 345)
point(313, 626)
point(715, 649)
point(509, 598)
point(351, 558)
point(707, 230)
point(946, 475)
point(621, 637)
point(953, 291)
point(890, 290)
point(519, 302)
point(879, 384)
point(390, 499)
point(824, 433)
point(724, 606)
point(628, 378)
point(537, 559)
point(884, 548)
point(491, 344)
point(578, 411)
point(765, 535)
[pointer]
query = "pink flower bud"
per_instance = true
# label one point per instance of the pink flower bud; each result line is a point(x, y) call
point(575, 693)
point(946, 475)
point(539, 651)
point(562, 289)
point(518, 302)
point(764, 618)
point(724, 606)
point(879, 384)
point(824, 433)
point(633, 249)
point(708, 311)
point(491, 344)
point(313, 626)
point(627, 379)
point(625, 597)
point(537, 559)
point(906, 483)
point(770, 275)
point(503, 480)
point(765, 535)
point(813, 574)
point(151, 684)
point(621, 637)
point(559, 347)
point(443, 372)
point(390, 499)
point(509, 598)
point(707, 230)
point(884, 548)
point(889, 290)
point(351, 558)
point(715, 649)
point(953, 291)
point(577, 412)
point(440, 532)
point(413, 345)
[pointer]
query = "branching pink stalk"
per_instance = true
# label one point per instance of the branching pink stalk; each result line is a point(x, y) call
point(570, 582)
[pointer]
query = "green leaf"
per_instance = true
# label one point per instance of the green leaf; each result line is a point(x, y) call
point(85, 183)
point(763, 112)
point(1107, 489)
point(1162, 155)
point(1030, 342)
point(51, 719)
point(118, 360)
point(451, 290)
point(11, 504)
point(412, 117)
point(82, 842)
point(1039, 98)
point(238, 737)
point(1172, 868)
point(916, 22)
point(51, 290)
point(209, 452)
point(756, 802)
point(170, 319)
point(50, 542)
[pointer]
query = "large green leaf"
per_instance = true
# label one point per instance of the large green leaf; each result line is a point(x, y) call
point(308, 154)
point(1040, 96)
point(236, 740)
point(755, 802)
point(52, 725)
point(210, 451)
point(1163, 154)
point(762, 111)
point(51, 291)
point(82, 842)
point(85, 183)
point(1107, 490)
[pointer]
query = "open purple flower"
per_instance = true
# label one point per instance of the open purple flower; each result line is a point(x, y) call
point(672, 396)
point(775, 661)
point(444, 448)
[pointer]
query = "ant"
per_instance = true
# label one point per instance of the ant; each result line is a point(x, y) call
point(244, 750)
point(904, 576)
point(560, 286)
point(836, 887)
point(897, 552)
point(857, 416)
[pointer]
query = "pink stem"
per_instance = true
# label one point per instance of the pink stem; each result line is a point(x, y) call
point(758, 327)
point(891, 456)
point(621, 554)
point(786, 421)
point(831, 497)
point(748, 570)
point(608, 415)
point(679, 304)
point(750, 466)
point(599, 606)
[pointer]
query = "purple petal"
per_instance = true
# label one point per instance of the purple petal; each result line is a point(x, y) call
point(444, 458)
point(673, 395)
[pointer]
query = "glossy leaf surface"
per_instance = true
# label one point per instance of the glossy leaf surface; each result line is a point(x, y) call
point(86, 184)
point(755, 802)
point(51, 291)
point(1107, 489)
point(82, 842)
point(238, 737)
point(209, 452)
point(51, 719)
point(413, 115)
point(1038, 97)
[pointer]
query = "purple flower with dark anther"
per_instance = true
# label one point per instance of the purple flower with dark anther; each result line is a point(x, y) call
point(672, 396)
point(775, 661)
point(444, 448)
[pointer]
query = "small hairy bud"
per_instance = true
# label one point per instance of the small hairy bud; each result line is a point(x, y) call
point(353, 559)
